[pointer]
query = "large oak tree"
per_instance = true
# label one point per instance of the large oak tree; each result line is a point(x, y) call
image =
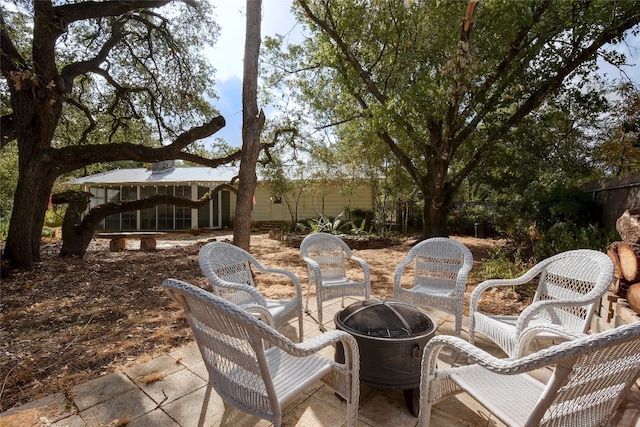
point(442, 84)
point(94, 82)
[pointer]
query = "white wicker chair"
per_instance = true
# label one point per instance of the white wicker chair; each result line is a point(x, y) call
point(591, 376)
point(255, 368)
point(440, 268)
point(326, 255)
point(570, 286)
point(229, 269)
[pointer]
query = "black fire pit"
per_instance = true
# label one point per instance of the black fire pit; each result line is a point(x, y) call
point(391, 336)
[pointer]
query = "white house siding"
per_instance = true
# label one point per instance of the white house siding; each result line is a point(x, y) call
point(194, 182)
point(310, 205)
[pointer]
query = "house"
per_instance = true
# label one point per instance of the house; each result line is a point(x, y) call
point(193, 182)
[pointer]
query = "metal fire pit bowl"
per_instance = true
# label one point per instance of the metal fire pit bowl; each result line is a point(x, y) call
point(391, 336)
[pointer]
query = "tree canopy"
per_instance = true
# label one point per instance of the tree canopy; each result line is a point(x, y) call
point(91, 82)
point(444, 85)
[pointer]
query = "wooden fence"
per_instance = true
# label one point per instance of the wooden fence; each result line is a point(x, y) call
point(615, 195)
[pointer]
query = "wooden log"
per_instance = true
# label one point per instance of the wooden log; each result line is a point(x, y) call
point(628, 225)
point(612, 251)
point(633, 297)
point(623, 287)
point(615, 285)
point(629, 257)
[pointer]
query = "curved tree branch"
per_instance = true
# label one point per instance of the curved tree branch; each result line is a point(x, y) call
point(94, 9)
point(71, 71)
point(88, 115)
point(68, 159)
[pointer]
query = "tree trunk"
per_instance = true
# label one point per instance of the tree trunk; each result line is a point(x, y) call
point(629, 257)
point(22, 247)
point(435, 221)
point(437, 192)
point(252, 124)
point(75, 239)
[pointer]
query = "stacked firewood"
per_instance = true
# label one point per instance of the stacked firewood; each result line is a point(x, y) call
point(626, 258)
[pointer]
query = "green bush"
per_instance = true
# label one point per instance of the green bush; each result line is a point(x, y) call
point(360, 214)
point(563, 236)
point(462, 221)
point(53, 218)
point(48, 231)
point(363, 229)
point(327, 224)
point(4, 229)
point(361, 220)
point(503, 264)
point(508, 264)
point(512, 225)
point(554, 221)
point(561, 204)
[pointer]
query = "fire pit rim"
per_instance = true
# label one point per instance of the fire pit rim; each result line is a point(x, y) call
point(341, 325)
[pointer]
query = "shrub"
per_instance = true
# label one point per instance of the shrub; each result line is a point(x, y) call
point(360, 214)
point(508, 264)
point(361, 220)
point(48, 231)
point(503, 264)
point(563, 236)
point(53, 218)
point(4, 229)
point(326, 224)
point(562, 204)
point(469, 219)
point(360, 230)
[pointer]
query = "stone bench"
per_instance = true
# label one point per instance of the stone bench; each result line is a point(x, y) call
point(119, 240)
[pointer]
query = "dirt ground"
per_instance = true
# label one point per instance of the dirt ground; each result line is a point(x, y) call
point(70, 320)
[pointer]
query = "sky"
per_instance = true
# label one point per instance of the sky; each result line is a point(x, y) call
point(227, 56)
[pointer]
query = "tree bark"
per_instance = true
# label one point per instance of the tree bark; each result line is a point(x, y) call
point(252, 124)
point(75, 237)
point(35, 182)
point(435, 221)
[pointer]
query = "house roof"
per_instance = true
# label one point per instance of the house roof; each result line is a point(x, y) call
point(222, 174)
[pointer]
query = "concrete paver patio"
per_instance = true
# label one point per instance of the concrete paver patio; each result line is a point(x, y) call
point(169, 391)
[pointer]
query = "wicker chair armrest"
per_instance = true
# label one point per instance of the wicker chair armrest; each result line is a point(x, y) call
point(399, 271)
point(326, 339)
point(254, 293)
point(498, 365)
point(283, 272)
point(532, 310)
point(505, 366)
point(314, 267)
point(316, 344)
point(529, 334)
point(493, 283)
point(461, 281)
point(363, 265)
point(260, 312)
